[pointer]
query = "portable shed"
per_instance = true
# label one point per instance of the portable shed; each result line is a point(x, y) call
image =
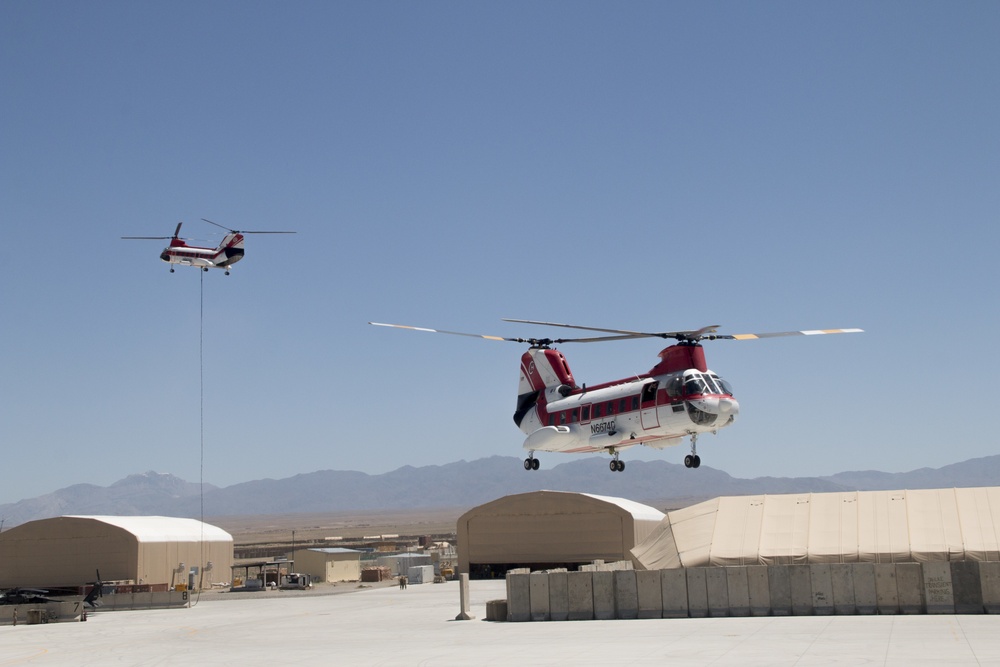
point(546, 529)
point(857, 526)
point(156, 550)
point(329, 564)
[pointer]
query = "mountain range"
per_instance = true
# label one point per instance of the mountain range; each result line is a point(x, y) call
point(458, 485)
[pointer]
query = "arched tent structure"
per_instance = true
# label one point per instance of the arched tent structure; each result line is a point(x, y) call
point(156, 550)
point(545, 529)
point(850, 527)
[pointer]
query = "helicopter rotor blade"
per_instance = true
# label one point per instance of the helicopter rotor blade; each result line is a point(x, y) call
point(240, 231)
point(149, 238)
point(778, 334)
point(679, 335)
point(530, 341)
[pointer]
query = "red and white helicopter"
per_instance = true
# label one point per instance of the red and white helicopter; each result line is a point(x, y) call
point(677, 398)
point(228, 252)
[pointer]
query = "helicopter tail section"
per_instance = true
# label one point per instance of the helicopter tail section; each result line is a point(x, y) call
point(541, 369)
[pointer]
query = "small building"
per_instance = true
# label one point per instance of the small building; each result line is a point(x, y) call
point(549, 529)
point(401, 563)
point(159, 551)
point(329, 564)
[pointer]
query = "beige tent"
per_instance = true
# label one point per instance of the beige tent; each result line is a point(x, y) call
point(157, 550)
point(851, 527)
point(549, 529)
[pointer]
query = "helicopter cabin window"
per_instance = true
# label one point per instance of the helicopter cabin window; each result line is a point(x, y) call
point(585, 413)
point(597, 410)
point(635, 402)
point(562, 417)
point(574, 416)
point(623, 405)
point(649, 392)
point(552, 420)
point(611, 408)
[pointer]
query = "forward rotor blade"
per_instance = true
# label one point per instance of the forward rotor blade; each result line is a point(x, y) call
point(149, 238)
point(240, 231)
point(777, 334)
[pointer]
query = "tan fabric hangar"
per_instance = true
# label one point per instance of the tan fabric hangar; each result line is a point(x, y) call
point(851, 527)
point(156, 550)
point(547, 529)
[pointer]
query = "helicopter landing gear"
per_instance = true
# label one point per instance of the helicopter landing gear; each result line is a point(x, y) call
point(531, 463)
point(616, 465)
point(227, 273)
point(171, 270)
point(205, 269)
point(692, 460)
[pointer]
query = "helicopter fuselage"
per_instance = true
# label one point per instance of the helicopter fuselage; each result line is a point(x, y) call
point(225, 255)
point(656, 411)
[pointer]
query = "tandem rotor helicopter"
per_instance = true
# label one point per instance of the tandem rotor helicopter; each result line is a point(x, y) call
point(677, 398)
point(228, 252)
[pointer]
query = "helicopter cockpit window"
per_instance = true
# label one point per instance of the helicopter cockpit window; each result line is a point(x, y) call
point(706, 383)
point(695, 384)
point(723, 385)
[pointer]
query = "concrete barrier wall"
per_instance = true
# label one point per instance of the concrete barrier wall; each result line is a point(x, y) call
point(962, 587)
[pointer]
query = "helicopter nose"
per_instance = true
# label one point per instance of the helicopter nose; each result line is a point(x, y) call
point(729, 407)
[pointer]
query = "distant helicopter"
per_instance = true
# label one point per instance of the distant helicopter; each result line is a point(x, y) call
point(228, 252)
point(678, 397)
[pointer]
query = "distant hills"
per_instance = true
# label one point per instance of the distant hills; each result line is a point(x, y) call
point(462, 484)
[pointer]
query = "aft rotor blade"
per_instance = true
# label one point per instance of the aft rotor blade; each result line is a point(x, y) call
point(530, 341)
point(682, 335)
point(148, 238)
point(452, 333)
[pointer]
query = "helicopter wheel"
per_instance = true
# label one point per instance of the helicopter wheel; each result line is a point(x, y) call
point(692, 461)
point(171, 270)
point(531, 463)
point(227, 273)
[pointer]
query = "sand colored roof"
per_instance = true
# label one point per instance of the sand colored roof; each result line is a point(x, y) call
point(857, 526)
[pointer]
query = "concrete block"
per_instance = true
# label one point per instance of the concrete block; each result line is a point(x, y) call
point(989, 577)
point(758, 589)
point(780, 590)
point(496, 610)
point(518, 597)
point(717, 586)
point(842, 584)
point(886, 595)
point(967, 586)
point(821, 580)
point(865, 597)
point(626, 594)
point(800, 582)
point(604, 595)
point(650, 592)
point(581, 596)
point(936, 582)
point(673, 584)
point(697, 592)
point(559, 596)
point(739, 591)
point(538, 583)
point(910, 588)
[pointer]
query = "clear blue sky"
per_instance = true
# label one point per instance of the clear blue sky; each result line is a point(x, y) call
point(647, 165)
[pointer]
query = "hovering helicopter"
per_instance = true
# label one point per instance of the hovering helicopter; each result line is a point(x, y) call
point(228, 252)
point(677, 398)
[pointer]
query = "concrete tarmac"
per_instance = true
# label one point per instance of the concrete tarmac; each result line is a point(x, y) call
point(387, 626)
